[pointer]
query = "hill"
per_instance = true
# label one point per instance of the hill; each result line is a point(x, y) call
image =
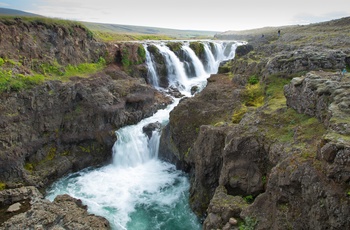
point(12, 12)
point(101, 28)
point(117, 32)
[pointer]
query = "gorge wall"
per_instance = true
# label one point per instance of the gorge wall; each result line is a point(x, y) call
point(51, 128)
point(267, 143)
point(269, 158)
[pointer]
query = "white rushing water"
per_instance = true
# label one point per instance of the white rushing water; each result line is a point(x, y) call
point(138, 191)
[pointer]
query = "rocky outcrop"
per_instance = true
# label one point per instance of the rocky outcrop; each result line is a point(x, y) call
point(57, 128)
point(306, 59)
point(64, 212)
point(284, 165)
point(210, 106)
point(34, 42)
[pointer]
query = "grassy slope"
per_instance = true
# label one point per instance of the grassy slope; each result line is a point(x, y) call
point(116, 32)
point(137, 31)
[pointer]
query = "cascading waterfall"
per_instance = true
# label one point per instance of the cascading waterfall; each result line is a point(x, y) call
point(151, 68)
point(138, 191)
point(176, 72)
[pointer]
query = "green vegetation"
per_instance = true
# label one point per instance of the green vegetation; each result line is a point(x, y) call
point(174, 46)
point(253, 80)
point(249, 199)
point(2, 186)
point(254, 95)
point(29, 167)
point(47, 71)
point(111, 37)
point(115, 32)
point(248, 224)
point(198, 48)
point(238, 114)
point(67, 25)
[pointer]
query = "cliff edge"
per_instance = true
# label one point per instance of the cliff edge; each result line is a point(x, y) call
point(266, 143)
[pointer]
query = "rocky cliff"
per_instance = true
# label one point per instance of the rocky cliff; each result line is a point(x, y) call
point(63, 123)
point(267, 143)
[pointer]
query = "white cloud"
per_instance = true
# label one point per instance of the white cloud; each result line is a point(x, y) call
point(218, 15)
point(307, 18)
point(3, 4)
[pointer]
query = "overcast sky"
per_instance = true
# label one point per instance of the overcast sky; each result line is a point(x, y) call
point(215, 15)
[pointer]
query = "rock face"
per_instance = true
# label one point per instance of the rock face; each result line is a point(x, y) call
point(186, 118)
point(64, 212)
point(284, 165)
point(35, 42)
point(66, 127)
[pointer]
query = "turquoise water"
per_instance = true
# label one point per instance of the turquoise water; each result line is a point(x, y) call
point(153, 195)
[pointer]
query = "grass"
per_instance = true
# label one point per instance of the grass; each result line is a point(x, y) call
point(111, 37)
point(16, 82)
point(254, 95)
point(2, 186)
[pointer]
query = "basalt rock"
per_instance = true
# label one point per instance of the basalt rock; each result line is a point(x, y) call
point(57, 128)
point(252, 170)
point(210, 106)
point(35, 42)
point(148, 129)
point(64, 212)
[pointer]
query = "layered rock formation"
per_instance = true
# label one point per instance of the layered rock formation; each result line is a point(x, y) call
point(282, 163)
point(36, 41)
point(51, 129)
point(64, 212)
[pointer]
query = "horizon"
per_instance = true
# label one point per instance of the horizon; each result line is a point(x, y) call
point(193, 16)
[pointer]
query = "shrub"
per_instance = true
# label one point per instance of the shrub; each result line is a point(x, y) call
point(249, 224)
point(238, 115)
point(253, 80)
point(254, 95)
point(2, 186)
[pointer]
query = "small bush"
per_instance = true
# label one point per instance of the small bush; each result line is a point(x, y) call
point(253, 80)
point(249, 224)
point(1, 61)
point(238, 115)
point(2, 186)
point(254, 95)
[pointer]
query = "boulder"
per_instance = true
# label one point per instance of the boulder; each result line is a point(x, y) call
point(148, 129)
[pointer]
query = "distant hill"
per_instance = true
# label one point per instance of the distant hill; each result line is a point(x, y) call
point(126, 32)
point(11, 12)
point(127, 29)
point(336, 28)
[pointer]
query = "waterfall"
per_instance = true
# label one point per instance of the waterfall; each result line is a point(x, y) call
point(138, 191)
point(198, 65)
point(151, 68)
point(176, 71)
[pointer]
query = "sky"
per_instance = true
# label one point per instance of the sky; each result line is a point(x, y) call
point(211, 15)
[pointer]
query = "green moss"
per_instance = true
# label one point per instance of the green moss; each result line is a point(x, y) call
point(142, 54)
point(51, 154)
point(2, 186)
point(125, 58)
point(254, 95)
point(253, 80)
point(174, 46)
point(238, 114)
point(198, 48)
point(29, 167)
point(249, 224)
point(86, 149)
point(249, 199)
point(48, 71)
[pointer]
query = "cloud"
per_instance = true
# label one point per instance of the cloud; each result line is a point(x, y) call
point(306, 18)
point(3, 4)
